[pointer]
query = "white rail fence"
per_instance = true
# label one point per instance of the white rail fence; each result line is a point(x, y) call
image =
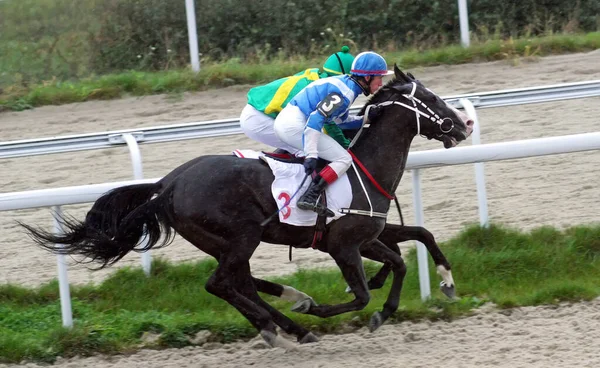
point(214, 128)
point(417, 160)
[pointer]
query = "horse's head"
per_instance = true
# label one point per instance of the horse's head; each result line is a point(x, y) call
point(433, 117)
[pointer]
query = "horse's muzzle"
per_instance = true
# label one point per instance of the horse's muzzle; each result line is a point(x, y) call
point(469, 123)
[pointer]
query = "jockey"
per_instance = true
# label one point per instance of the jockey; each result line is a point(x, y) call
point(300, 123)
point(265, 102)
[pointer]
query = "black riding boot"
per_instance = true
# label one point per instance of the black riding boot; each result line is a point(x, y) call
point(309, 200)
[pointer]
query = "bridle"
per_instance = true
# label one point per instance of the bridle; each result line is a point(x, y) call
point(431, 115)
point(447, 122)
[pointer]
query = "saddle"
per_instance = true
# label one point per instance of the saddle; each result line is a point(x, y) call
point(285, 156)
point(321, 224)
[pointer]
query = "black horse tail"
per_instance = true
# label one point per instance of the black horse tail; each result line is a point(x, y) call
point(113, 227)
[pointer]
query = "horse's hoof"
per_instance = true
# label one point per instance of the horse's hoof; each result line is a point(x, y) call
point(308, 338)
point(276, 341)
point(348, 289)
point(303, 306)
point(376, 321)
point(449, 291)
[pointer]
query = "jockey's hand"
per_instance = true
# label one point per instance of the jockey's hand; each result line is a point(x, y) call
point(374, 113)
point(310, 165)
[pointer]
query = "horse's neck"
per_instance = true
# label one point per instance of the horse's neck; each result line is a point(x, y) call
point(384, 155)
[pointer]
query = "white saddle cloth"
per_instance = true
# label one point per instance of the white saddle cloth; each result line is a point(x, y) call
point(287, 180)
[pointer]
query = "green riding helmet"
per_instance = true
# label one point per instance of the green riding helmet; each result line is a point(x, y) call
point(339, 63)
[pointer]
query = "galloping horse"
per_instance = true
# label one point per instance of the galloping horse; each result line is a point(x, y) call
point(218, 203)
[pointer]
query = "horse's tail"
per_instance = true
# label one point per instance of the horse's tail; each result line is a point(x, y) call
point(113, 226)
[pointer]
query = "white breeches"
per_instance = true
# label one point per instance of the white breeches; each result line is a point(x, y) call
point(259, 126)
point(289, 127)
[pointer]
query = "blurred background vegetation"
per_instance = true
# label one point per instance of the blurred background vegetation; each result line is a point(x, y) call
point(44, 43)
point(63, 39)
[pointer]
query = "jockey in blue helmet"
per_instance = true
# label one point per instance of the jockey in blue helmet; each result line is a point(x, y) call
point(327, 100)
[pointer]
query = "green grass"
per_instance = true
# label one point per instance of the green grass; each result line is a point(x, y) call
point(495, 49)
point(214, 75)
point(500, 265)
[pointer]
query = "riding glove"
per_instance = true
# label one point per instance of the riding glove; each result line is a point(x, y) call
point(310, 165)
point(374, 112)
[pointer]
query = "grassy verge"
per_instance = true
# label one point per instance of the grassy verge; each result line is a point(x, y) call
point(504, 266)
point(235, 72)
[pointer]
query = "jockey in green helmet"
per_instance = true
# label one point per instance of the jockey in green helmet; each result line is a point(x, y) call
point(266, 101)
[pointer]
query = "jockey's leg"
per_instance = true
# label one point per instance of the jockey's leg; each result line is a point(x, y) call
point(259, 127)
point(340, 161)
point(289, 127)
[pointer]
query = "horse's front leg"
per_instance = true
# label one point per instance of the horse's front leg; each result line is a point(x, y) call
point(393, 234)
point(349, 261)
point(377, 281)
point(378, 251)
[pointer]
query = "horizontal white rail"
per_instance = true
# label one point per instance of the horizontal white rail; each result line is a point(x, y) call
point(522, 96)
point(61, 196)
point(416, 160)
point(504, 150)
point(213, 128)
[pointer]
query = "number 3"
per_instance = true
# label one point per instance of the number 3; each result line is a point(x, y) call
point(333, 100)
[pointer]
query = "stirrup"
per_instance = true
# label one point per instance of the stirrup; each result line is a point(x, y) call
point(323, 211)
point(317, 208)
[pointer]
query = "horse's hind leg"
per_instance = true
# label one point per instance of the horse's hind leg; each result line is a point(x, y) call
point(251, 285)
point(378, 251)
point(284, 292)
point(222, 284)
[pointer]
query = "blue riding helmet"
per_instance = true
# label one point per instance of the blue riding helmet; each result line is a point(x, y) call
point(369, 63)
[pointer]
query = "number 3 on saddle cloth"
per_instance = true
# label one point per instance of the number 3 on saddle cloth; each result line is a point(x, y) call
point(288, 177)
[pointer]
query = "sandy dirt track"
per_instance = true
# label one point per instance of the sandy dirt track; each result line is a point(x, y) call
point(554, 190)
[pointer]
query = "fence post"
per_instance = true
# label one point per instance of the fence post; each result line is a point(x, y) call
point(63, 278)
point(190, 11)
point(463, 16)
point(421, 251)
point(479, 166)
point(136, 162)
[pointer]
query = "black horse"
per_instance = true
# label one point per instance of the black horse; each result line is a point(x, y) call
point(218, 203)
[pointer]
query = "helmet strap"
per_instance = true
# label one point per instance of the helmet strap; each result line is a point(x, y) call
point(361, 81)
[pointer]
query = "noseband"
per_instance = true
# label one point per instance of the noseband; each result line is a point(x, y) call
point(446, 124)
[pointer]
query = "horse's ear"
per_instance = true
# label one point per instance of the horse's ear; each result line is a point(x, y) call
point(399, 74)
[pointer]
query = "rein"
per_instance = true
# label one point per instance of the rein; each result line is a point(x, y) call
point(371, 178)
point(370, 213)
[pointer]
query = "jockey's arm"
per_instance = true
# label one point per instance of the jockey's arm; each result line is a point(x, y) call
point(350, 122)
point(334, 131)
point(327, 110)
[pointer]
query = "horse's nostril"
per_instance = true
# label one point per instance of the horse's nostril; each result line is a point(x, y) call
point(470, 123)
